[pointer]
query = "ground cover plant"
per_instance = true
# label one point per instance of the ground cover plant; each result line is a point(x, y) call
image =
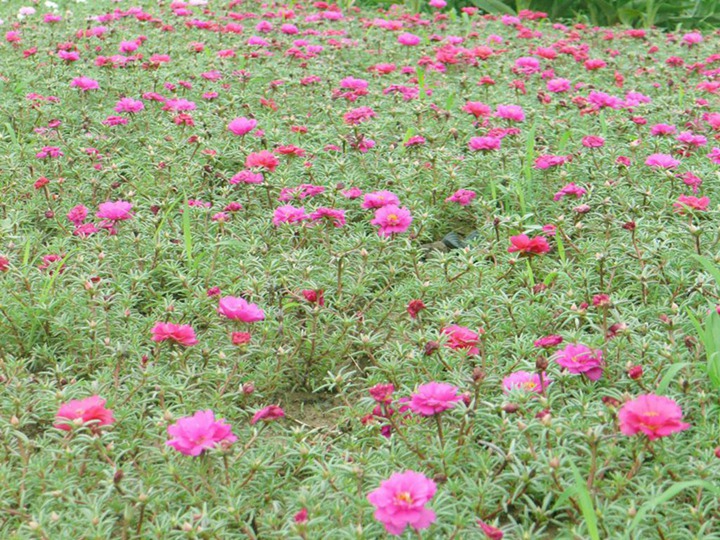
point(313, 271)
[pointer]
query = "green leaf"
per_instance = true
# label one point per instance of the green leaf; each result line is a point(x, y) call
point(187, 235)
point(586, 504)
point(669, 494)
point(560, 248)
point(493, 7)
point(670, 374)
point(712, 348)
point(709, 267)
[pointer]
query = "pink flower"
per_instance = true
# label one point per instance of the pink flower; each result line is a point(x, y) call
point(525, 382)
point(462, 196)
point(240, 338)
point(714, 155)
point(263, 159)
point(461, 338)
point(486, 144)
point(378, 199)
point(77, 214)
point(661, 161)
point(433, 398)
point(192, 435)
point(129, 105)
point(491, 533)
point(332, 215)
point(269, 413)
point(82, 411)
point(581, 359)
point(238, 309)
point(660, 130)
point(246, 176)
point(570, 189)
point(688, 202)
point(400, 501)
point(527, 246)
point(242, 126)
point(655, 416)
point(115, 211)
point(408, 39)
point(392, 219)
point(85, 83)
point(289, 214)
point(692, 38)
point(182, 334)
point(477, 109)
point(593, 141)
point(547, 161)
point(359, 115)
point(558, 86)
point(548, 341)
point(437, 4)
point(513, 113)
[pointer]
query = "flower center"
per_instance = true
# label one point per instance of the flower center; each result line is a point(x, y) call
point(404, 497)
point(392, 217)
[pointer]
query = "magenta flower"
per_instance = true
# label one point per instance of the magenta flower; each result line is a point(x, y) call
point(485, 144)
point(525, 381)
point(655, 416)
point(661, 161)
point(267, 414)
point(246, 176)
point(82, 411)
point(525, 245)
point(462, 196)
point(85, 84)
point(461, 338)
point(433, 398)
point(335, 216)
point(570, 189)
point(289, 214)
point(548, 341)
point(183, 334)
point(378, 199)
point(408, 39)
point(581, 359)
point(400, 501)
point(238, 309)
point(514, 113)
point(129, 105)
point(392, 219)
point(688, 202)
point(192, 435)
point(115, 211)
point(242, 126)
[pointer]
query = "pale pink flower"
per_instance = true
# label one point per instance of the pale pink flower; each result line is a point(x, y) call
point(462, 196)
point(289, 214)
point(525, 381)
point(267, 414)
point(461, 338)
point(433, 398)
point(182, 334)
point(378, 199)
point(661, 161)
point(115, 211)
point(408, 39)
point(581, 359)
point(242, 126)
point(85, 84)
point(485, 144)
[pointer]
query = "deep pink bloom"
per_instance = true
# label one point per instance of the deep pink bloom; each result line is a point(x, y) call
point(408, 39)
point(462, 196)
point(382, 393)
point(192, 435)
point(378, 199)
point(414, 307)
point(314, 296)
point(400, 501)
point(655, 416)
point(485, 144)
point(182, 334)
point(289, 214)
point(492, 533)
point(688, 202)
point(527, 246)
point(129, 105)
point(460, 337)
point(558, 85)
point(593, 141)
point(335, 216)
point(238, 309)
point(548, 341)
point(714, 155)
point(85, 83)
point(247, 176)
point(77, 214)
point(263, 159)
point(547, 161)
point(242, 126)
point(392, 219)
point(581, 359)
point(660, 130)
point(525, 382)
point(570, 189)
point(477, 109)
point(513, 113)
point(433, 398)
point(267, 414)
point(115, 211)
point(86, 410)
